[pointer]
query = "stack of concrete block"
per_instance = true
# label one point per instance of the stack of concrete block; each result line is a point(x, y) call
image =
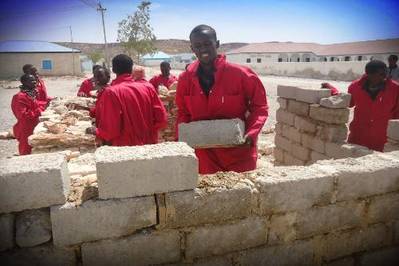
point(392, 136)
point(311, 126)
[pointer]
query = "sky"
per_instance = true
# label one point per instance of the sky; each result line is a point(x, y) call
point(322, 21)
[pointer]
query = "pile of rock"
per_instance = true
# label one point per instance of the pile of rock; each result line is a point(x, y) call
point(311, 126)
point(168, 99)
point(393, 136)
point(62, 126)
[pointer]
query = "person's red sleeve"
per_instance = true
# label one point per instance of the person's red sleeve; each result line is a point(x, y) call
point(183, 115)
point(255, 95)
point(84, 90)
point(92, 112)
point(160, 114)
point(154, 82)
point(110, 125)
point(396, 109)
point(334, 91)
point(22, 109)
point(350, 91)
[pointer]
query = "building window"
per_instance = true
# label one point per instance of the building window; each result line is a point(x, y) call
point(258, 60)
point(248, 60)
point(347, 58)
point(280, 60)
point(47, 64)
point(331, 59)
point(307, 59)
point(359, 58)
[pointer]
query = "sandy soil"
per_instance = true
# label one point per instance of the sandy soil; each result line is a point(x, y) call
point(68, 85)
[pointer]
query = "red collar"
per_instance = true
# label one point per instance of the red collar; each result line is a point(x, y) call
point(219, 62)
point(122, 78)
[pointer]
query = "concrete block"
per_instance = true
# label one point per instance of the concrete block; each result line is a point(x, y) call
point(33, 227)
point(285, 117)
point(315, 156)
point(304, 124)
point(341, 100)
point(124, 172)
point(299, 108)
point(278, 154)
point(6, 231)
point(338, 151)
point(300, 152)
point(45, 255)
point(292, 134)
point(283, 143)
point(396, 230)
point(283, 102)
point(347, 261)
point(313, 143)
point(297, 253)
point(147, 248)
point(333, 133)
point(311, 95)
point(288, 92)
point(345, 243)
point(390, 146)
point(295, 188)
point(214, 261)
point(320, 220)
point(94, 220)
point(189, 208)
point(212, 133)
point(330, 116)
point(384, 208)
point(33, 181)
point(279, 128)
point(292, 160)
point(387, 256)
point(393, 129)
point(216, 240)
point(282, 228)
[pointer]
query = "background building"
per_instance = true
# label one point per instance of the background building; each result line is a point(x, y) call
point(156, 58)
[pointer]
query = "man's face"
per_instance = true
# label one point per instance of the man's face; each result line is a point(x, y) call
point(392, 61)
point(101, 77)
point(377, 78)
point(34, 72)
point(30, 82)
point(204, 46)
point(165, 69)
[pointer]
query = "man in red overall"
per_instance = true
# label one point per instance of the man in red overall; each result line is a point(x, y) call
point(42, 98)
point(212, 88)
point(165, 78)
point(88, 85)
point(376, 101)
point(130, 113)
point(27, 110)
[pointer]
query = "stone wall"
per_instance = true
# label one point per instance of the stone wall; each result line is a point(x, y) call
point(147, 205)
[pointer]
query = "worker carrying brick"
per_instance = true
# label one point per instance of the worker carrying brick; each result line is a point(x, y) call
point(88, 85)
point(27, 110)
point(42, 97)
point(376, 100)
point(130, 112)
point(212, 88)
point(165, 79)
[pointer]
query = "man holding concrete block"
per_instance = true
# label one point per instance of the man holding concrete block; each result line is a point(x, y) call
point(211, 89)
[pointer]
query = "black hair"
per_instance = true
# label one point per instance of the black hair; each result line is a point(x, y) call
point(25, 77)
point(26, 68)
point(393, 57)
point(122, 64)
point(204, 28)
point(95, 67)
point(165, 63)
point(106, 70)
point(374, 66)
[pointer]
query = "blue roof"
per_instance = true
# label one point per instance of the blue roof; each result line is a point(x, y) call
point(33, 47)
point(156, 56)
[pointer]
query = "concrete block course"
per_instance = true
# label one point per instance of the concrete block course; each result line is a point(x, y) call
point(278, 154)
point(313, 143)
point(282, 228)
point(338, 150)
point(311, 95)
point(300, 152)
point(292, 160)
point(216, 240)
point(124, 172)
point(146, 248)
point(33, 227)
point(341, 100)
point(292, 134)
point(383, 208)
point(386, 256)
point(288, 92)
point(330, 116)
point(304, 124)
point(393, 129)
point(6, 231)
point(315, 156)
point(283, 143)
point(213, 133)
point(283, 102)
point(299, 108)
point(285, 117)
point(33, 181)
point(95, 220)
point(333, 133)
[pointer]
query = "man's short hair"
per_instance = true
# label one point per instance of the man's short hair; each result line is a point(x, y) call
point(26, 68)
point(201, 28)
point(122, 64)
point(374, 66)
point(25, 77)
point(165, 63)
point(393, 57)
point(95, 67)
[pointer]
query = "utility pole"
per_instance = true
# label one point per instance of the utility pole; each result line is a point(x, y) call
point(73, 55)
point(102, 9)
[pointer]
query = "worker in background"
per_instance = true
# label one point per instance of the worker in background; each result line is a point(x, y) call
point(88, 85)
point(212, 88)
point(376, 100)
point(131, 113)
point(42, 96)
point(165, 78)
point(393, 69)
point(27, 110)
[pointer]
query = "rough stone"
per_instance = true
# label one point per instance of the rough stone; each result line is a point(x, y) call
point(313, 143)
point(214, 261)
point(62, 140)
point(333, 133)
point(45, 255)
point(283, 102)
point(145, 170)
point(94, 220)
point(212, 133)
point(304, 124)
point(283, 143)
point(278, 154)
point(311, 95)
point(383, 208)
point(348, 261)
point(282, 228)
point(388, 256)
point(216, 240)
point(288, 92)
point(299, 108)
point(6, 231)
point(33, 227)
point(338, 151)
point(393, 129)
point(291, 160)
point(285, 117)
point(330, 116)
point(341, 100)
point(315, 156)
point(32, 182)
point(145, 248)
point(82, 165)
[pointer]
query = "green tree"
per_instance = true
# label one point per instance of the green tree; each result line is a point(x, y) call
point(135, 32)
point(96, 56)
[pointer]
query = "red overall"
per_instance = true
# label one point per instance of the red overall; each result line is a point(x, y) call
point(85, 88)
point(236, 91)
point(27, 111)
point(164, 81)
point(130, 113)
point(42, 98)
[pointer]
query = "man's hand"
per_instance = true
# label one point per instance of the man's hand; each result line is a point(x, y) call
point(91, 130)
point(325, 85)
point(248, 140)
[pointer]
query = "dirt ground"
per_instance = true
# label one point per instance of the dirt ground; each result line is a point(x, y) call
point(68, 85)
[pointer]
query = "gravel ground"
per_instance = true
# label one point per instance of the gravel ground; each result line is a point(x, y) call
point(67, 86)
